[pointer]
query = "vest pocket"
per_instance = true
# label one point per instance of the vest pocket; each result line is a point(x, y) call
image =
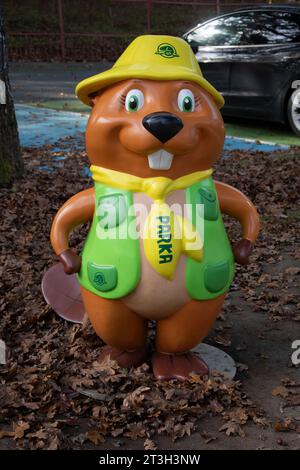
point(102, 278)
point(209, 200)
point(216, 276)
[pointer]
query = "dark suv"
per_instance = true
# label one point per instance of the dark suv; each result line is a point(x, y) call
point(253, 57)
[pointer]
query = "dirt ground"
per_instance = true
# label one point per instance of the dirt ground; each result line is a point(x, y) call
point(53, 393)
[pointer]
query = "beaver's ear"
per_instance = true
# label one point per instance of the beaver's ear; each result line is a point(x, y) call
point(93, 98)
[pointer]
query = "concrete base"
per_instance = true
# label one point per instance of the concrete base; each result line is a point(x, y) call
point(216, 359)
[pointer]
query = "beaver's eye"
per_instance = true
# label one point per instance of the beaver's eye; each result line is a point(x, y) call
point(186, 101)
point(134, 100)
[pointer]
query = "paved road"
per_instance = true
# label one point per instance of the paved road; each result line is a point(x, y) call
point(39, 81)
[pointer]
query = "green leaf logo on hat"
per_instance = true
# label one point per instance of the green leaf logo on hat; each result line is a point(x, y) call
point(166, 50)
point(140, 60)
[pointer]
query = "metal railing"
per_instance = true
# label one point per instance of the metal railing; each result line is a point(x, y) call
point(64, 45)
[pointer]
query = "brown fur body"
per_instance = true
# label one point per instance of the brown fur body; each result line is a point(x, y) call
point(116, 139)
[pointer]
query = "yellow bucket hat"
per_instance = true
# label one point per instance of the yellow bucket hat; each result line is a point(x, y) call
point(153, 58)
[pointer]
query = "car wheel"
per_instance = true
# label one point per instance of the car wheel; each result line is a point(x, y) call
point(293, 111)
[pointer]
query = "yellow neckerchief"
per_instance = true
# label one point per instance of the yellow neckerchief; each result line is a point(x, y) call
point(161, 247)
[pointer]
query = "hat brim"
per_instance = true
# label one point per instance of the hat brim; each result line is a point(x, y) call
point(117, 74)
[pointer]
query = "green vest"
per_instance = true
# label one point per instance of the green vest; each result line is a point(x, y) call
point(111, 264)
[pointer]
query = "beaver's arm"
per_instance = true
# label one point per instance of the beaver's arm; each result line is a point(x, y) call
point(78, 210)
point(237, 205)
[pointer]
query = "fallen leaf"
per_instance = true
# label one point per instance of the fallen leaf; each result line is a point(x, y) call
point(232, 429)
point(149, 445)
point(280, 391)
point(293, 270)
point(95, 437)
point(224, 340)
point(20, 428)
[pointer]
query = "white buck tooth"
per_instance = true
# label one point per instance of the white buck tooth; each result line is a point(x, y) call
point(160, 160)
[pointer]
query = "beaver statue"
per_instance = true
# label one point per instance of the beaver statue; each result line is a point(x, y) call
point(157, 248)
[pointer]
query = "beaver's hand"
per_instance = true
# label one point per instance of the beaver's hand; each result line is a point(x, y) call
point(71, 261)
point(242, 251)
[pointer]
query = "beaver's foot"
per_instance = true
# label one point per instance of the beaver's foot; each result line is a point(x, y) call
point(124, 359)
point(177, 366)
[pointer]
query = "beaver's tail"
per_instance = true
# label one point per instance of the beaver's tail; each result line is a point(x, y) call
point(62, 292)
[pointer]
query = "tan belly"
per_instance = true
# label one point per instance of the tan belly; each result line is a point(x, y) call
point(156, 297)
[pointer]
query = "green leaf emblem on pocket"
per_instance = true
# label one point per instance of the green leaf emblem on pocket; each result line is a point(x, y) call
point(102, 278)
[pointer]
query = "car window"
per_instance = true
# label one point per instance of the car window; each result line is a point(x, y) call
point(276, 27)
point(226, 31)
point(251, 28)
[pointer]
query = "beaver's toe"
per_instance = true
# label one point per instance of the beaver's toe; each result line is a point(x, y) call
point(124, 359)
point(177, 366)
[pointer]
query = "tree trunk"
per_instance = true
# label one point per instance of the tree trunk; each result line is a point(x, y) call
point(11, 164)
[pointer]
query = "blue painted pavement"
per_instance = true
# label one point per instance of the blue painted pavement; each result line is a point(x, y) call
point(248, 145)
point(40, 126)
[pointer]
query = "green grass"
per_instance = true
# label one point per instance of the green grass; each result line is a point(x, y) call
point(63, 105)
point(263, 131)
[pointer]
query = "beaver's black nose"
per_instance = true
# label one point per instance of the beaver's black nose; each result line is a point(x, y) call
point(162, 125)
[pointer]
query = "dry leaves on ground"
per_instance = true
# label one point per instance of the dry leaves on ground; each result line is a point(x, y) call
point(54, 394)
